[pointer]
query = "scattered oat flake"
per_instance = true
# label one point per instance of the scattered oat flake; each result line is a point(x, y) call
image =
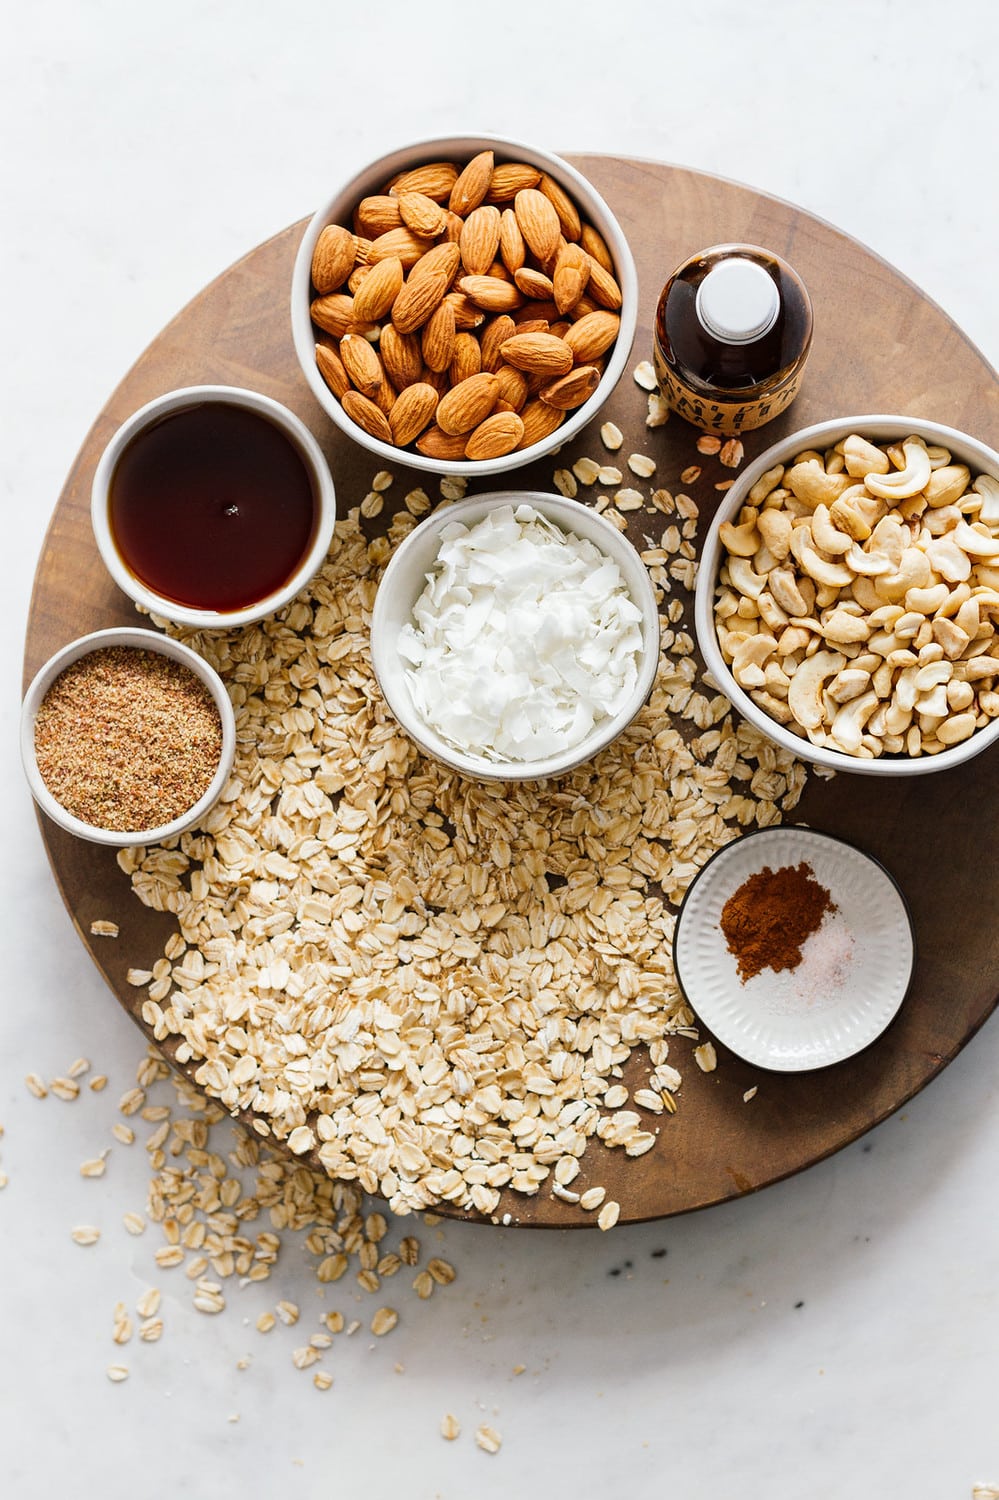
point(95, 1167)
point(134, 1223)
point(148, 1303)
point(36, 1086)
point(657, 410)
point(384, 1321)
point(117, 1372)
point(691, 474)
point(608, 1215)
point(644, 375)
point(732, 453)
point(99, 1082)
point(383, 480)
point(4, 1179)
point(288, 1312)
point(77, 1068)
point(450, 1426)
point(706, 1057)
point(642, 465)
point(592, 1198)
point(103, 927)
point(586, 470)
point(724, 484)
point(629, 499)
point(151, 1330)
point(322, 1380)
point(488, 1439)
point(85, 1234)
point(611, 436)
point(64, 1088)
point(749, 1094)
point(708, 444)
point(565, 483)
point(266, 1322)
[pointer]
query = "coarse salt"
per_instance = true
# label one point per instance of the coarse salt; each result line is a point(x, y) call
point(524, 639)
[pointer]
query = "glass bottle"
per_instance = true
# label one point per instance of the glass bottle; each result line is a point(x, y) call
point(732, 333)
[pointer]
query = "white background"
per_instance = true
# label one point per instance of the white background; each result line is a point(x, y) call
point(833, 1336)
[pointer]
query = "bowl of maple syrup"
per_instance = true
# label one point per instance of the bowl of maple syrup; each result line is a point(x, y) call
point(213, 506)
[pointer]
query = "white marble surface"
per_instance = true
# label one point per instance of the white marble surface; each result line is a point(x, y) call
point(833, 1336)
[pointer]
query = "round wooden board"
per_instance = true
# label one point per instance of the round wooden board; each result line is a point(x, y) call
point(880, 346)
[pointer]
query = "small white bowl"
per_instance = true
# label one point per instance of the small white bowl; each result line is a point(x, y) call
point(145, 640)
point(371, 180)
point(823, 435)
point(301, 439)
point(404, 580)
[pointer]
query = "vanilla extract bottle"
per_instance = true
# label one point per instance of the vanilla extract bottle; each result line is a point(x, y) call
point(732, 334)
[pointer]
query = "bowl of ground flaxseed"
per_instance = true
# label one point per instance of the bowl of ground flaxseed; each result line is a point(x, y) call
point(127, 737)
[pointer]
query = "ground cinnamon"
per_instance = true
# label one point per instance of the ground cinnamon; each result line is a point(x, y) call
point(768, 919)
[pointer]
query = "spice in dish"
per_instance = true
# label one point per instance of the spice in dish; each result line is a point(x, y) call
point(127, 739)
point(524, 639)
point(769, 918)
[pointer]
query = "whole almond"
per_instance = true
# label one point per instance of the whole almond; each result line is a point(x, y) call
point(568, 214)
point(437, 342)
point(603, 287)
point(377, 214)
point(435, 180)
point(512, 387)
point(594, 244)
point(479, 239)
point(466, 314)
point(497, 435)
point(540, 421)
point(453, 227)
point(422, 215)
point(401, 355)
point(593, 335)
point(379, 289)
point(362, 364)
point(473, 184)
point(573, 389)
point(357, 275)
point(401, 242)
point(330, 367)
point(466, 359)
point(513, 251)
point(367, 415)
point(444, 257)
point(333, 313)
point(533, 314)
point(333, 258)
point(468, 403)
point(493, 334)
point(538, 353)
point(412, 410)
point(533, 283)
point(418, 299)
point(490, 293)
point(572, 272)
point(508, 179)
point(539, 222)
point(433, 443)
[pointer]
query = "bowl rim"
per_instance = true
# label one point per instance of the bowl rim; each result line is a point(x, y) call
point(560, 510)
point(367, 179)
point(293, 428)
point(879, 427)
point(148, 640)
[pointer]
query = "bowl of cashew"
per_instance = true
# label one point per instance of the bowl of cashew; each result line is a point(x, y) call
point(847, 598)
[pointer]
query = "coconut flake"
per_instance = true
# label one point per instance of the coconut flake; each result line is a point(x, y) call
point(524, 639)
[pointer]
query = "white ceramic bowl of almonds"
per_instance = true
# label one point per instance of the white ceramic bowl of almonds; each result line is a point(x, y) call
point(122, 721)
point(580, 280)
point(532, 639)
point(857, 625)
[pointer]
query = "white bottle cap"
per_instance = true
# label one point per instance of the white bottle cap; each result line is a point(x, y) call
point(737, 301)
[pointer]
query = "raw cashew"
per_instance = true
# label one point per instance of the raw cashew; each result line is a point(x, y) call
point(743, 577)
point(775, 529)
point(988, 487)
point(908, 481)
point(976, 543)
point(741, 541)
point(804, 697)
point(810, 482)
point(826, 536)
point(848, 726)
point(861, 457)
point(947, 484)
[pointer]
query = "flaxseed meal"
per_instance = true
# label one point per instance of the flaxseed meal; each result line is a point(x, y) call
point(424, 984)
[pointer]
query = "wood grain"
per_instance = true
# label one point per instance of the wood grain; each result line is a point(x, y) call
point(880, 346)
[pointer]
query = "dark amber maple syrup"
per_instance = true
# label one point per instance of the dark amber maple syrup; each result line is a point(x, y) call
point(723, 385)
point(212, 507)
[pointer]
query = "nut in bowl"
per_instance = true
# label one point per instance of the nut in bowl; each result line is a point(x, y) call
point(127, 737)
point(213, 506)
point(467, 303)
point(514, 636)
point(848, 595)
